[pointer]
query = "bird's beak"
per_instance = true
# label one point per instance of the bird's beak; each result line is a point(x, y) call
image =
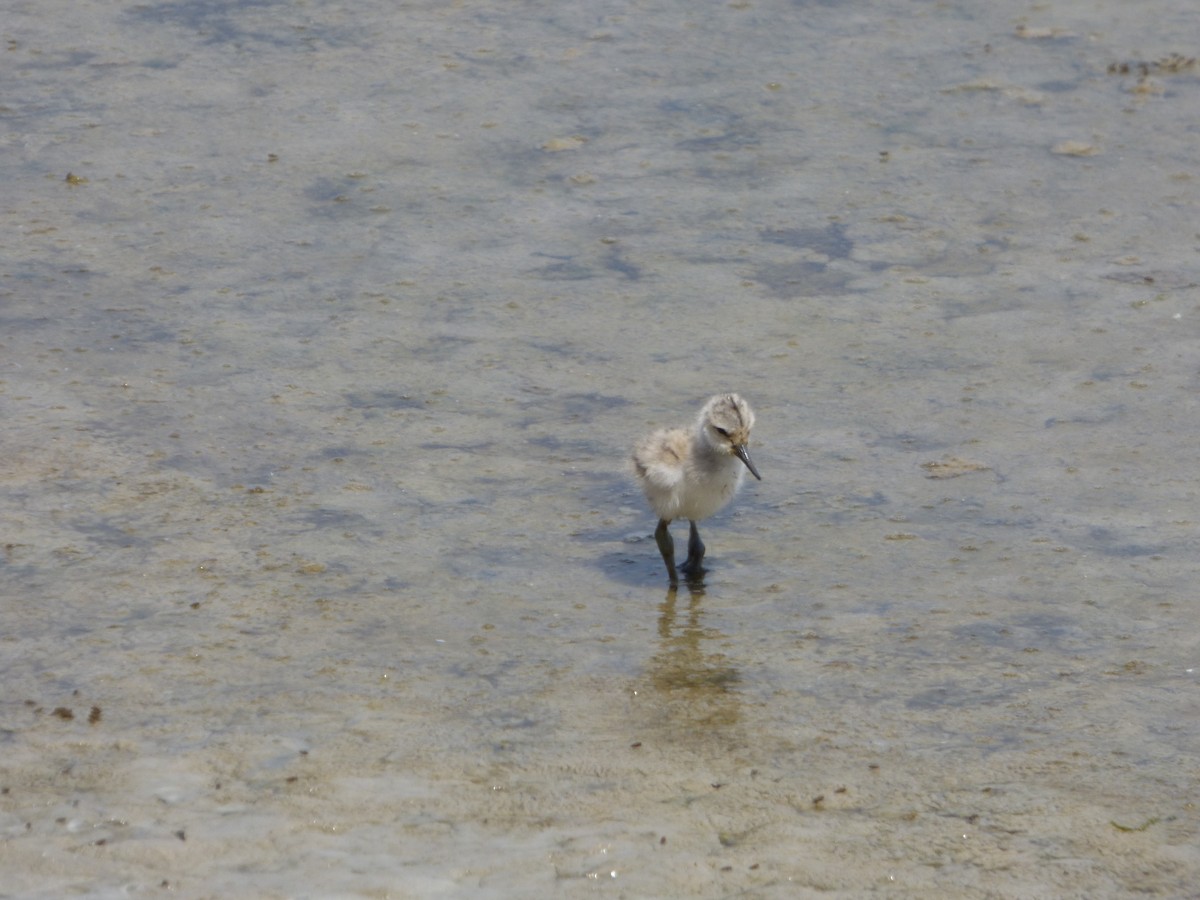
point(744, 456)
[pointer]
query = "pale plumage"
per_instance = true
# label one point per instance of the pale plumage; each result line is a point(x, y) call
point(692, 473)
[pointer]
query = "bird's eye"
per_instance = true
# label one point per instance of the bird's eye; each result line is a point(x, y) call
point(722, 432)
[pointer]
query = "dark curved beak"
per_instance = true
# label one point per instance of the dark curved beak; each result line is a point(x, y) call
point(744, 456)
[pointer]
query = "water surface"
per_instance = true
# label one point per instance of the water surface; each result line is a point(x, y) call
point(324, 334)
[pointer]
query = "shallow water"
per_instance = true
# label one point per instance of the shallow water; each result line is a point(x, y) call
point(324, 334)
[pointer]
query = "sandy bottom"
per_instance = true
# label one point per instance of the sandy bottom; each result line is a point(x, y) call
point(325, 332)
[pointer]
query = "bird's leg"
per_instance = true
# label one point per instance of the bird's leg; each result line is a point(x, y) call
point(695, 550)
point(666, 546)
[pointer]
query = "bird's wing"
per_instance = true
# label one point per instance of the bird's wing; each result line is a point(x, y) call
point(661, 459)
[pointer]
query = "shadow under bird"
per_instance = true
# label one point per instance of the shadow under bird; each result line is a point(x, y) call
point(690, 473)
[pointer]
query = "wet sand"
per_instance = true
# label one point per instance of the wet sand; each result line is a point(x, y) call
point(325, 332)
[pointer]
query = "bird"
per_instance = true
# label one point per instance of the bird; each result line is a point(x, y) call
point(691, 473)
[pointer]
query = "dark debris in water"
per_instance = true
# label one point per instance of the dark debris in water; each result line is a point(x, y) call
point(1171, 64)
point(830, 240)
point(383, 400)
point(801, 279)
point(1170, 280)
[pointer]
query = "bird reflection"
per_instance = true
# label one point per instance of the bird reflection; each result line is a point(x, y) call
point(694, 679)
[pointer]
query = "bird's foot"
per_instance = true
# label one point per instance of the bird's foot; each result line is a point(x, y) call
point(693, 570)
